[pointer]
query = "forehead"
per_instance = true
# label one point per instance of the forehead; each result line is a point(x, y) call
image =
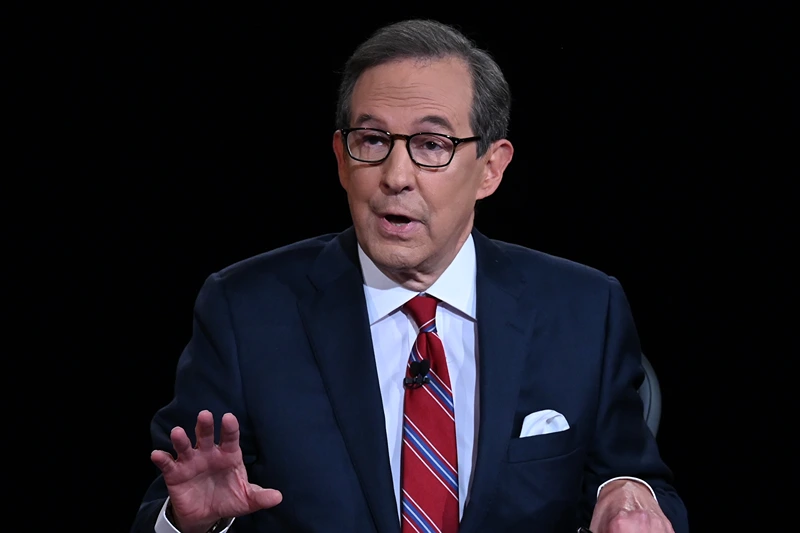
point(410, 92)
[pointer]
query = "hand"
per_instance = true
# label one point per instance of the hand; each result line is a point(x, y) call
point(627, 506)
point(209, 482)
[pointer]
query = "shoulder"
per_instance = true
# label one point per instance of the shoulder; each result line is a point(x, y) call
point(561, 288)
point(285, 267)
point(541, 267)
point(283, 259)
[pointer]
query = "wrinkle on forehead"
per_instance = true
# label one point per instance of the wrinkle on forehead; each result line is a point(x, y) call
point(406, 92)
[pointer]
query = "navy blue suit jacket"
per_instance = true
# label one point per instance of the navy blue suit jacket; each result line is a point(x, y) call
point(282, 341)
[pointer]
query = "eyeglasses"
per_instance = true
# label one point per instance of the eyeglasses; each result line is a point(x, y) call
point(430, 150)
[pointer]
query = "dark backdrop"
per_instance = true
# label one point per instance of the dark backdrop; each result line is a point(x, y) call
point(175, 140)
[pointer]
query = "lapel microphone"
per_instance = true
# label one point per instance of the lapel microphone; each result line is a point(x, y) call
point(419, 374)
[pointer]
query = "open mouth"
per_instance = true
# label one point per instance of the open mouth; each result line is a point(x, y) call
point(397, 220)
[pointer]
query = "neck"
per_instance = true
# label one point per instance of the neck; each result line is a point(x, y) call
point(421, 277)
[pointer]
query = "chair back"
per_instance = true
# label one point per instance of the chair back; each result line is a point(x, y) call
point(650, 393)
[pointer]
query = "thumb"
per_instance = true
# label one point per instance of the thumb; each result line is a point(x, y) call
point(265, 498)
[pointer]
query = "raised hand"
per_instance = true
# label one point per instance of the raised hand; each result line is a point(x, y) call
point(209, 482)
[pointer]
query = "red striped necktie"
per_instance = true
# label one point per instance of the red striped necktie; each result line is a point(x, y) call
point(429, 473)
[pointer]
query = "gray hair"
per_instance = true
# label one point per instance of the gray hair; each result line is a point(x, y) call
point(427, 39)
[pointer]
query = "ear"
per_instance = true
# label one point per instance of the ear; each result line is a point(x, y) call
point(341, 158)
point(497, 158)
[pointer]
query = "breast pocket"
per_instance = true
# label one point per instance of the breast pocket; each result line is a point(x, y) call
point(549, 445)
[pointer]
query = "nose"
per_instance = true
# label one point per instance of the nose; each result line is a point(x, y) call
point(399, 171)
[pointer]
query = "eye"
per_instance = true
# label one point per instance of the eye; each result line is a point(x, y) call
point(373, 139)
point(431, 143)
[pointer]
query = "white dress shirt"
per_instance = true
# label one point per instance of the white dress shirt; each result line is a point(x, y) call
point(393, 333)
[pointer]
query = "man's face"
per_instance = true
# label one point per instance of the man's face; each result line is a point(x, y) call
point(411, 221)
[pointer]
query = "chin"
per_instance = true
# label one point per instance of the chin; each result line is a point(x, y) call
point(394, 257)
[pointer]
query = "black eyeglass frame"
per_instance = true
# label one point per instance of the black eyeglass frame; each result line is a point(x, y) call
point(392, 136)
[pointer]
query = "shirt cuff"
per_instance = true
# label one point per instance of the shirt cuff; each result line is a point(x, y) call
point(163, 525)
point(645, 483)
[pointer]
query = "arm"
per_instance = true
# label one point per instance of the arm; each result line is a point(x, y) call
point(623, 444)
point(203, 480)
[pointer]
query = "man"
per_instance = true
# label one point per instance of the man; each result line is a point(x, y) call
point(410, 374)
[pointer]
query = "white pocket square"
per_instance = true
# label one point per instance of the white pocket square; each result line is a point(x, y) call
point(542, 422)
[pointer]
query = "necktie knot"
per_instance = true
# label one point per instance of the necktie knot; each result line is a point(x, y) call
point(422, 309)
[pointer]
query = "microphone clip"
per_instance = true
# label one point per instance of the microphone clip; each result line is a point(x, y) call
point(419, 375)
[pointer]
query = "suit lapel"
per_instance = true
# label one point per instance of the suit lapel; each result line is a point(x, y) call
point(505, 320)
point(336, 321)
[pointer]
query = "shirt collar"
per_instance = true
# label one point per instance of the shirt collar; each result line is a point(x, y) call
point(455, 287)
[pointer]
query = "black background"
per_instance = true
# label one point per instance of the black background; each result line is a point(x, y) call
point(170, 141)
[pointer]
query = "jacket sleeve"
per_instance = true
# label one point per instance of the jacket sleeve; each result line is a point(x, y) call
point(623, 444)
point(207, 377)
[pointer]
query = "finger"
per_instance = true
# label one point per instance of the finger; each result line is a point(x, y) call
point(265, 498)
point(163, 461)
point(229, 433)
point(204, 430)
point(181, 443)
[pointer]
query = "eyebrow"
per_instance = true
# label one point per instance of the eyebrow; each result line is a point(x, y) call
point(436, 120)
point(362, 119)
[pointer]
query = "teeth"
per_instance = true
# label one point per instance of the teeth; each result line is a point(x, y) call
point(397, 220)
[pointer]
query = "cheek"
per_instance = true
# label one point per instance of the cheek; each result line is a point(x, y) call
point(361, 185)
point(450, 194)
